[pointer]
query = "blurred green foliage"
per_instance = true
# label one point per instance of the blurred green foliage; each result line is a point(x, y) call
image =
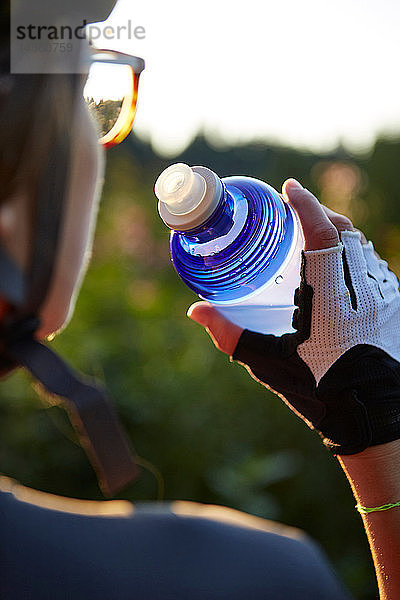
point(212, 432)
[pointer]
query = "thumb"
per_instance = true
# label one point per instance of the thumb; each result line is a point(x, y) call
point(319, 232)
point(223, 333)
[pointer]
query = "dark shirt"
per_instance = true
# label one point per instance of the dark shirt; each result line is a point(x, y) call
point(151, 554)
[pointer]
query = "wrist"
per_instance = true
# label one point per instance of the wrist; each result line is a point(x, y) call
point(374, 473)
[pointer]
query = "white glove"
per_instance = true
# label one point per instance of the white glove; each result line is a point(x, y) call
point(340, 371)
point(356, 301)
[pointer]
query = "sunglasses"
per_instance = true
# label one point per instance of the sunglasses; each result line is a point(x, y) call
point(111, 92)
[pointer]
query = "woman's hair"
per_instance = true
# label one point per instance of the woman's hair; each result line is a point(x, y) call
point(34, 110)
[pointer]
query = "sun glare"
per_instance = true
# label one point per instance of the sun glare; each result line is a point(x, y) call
point(310, 74)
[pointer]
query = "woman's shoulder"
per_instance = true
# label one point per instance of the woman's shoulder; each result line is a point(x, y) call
point(175, 549)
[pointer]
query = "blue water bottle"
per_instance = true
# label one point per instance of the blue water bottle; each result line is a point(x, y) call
point(234, 242)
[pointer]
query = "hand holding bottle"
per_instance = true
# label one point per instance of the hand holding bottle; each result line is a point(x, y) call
point(340, 370)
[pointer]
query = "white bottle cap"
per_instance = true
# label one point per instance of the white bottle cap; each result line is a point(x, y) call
point(187, 195)
point(180, 189)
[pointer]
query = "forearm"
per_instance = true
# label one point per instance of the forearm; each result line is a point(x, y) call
point(374, 475)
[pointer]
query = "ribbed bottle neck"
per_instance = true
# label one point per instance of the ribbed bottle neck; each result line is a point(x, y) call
point(219, 223)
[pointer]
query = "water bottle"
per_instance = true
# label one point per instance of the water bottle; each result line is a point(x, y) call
point(234, 242)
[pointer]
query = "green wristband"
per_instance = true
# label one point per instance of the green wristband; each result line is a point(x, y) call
point(364, 510)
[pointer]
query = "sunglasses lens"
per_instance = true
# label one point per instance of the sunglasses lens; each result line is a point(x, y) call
point(110, 94)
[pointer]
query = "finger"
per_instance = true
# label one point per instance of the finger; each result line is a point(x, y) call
point(224, 334)
point(378, 268)
point(364, 240)
point(389, 278)
point(341, 222)
point(319, 232)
